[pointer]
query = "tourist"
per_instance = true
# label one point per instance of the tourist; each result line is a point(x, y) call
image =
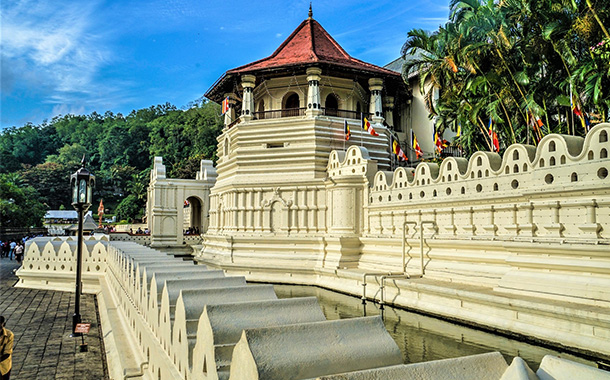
point(19, 252)
point(11, 252)
point(6, 351)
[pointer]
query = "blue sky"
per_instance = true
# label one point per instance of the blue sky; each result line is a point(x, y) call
point(60, 57)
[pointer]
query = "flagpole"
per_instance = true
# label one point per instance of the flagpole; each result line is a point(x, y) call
point(529, 116)
point(361, 128)
point(344, 137)
point(572, 108)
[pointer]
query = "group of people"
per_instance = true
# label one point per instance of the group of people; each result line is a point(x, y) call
point(108, 229)
point(191, 231)
point(139, 231)
point(13, 249)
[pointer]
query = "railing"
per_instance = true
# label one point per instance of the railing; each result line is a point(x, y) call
point(292, 112)
point(403, 274)
point(451, 151)
point(345, 114)
point(274, 114)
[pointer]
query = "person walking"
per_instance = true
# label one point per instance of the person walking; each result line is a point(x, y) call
point(11, 253)
point(19, 252)
point(6, 350)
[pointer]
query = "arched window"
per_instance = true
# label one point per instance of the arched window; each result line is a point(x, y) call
point(332, 105)
point(291, 105)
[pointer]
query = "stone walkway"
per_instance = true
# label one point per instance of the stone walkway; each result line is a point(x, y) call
point(42, 321)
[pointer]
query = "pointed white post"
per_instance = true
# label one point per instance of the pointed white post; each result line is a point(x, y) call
point(375, 86)
point(247, 107)
point(313, 92)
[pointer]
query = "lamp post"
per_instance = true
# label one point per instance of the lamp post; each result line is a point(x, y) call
point(81, 184)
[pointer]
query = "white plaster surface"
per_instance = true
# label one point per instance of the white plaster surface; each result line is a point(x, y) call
point(555, 368)
point(488, 366)
point(308, 350)
point(519, 370)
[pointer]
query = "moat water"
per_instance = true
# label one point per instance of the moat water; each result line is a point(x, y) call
point(423, 338)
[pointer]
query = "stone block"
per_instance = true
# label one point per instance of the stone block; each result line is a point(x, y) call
point(190, 304)
point(307, 350)
point(519, 370)
point(490, 366)
point(555, 368)
point(220, 328)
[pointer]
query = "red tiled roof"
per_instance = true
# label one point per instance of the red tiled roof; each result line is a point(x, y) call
point(310, 43)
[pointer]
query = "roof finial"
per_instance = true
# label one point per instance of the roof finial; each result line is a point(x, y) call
point(310, 11)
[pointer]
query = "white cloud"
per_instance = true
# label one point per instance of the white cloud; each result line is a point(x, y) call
point(52, 47)
point(64, 109)
point(278, 35)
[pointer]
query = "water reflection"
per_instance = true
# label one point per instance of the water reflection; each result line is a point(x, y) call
point(422, 338)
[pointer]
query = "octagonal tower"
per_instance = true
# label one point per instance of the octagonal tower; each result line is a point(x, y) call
point(287, 112)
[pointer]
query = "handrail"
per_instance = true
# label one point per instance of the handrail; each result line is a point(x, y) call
point(404, 243)
point(403, 274)
point(382, 288)
point(421, 243)
point(365, 275)
point(275, 114)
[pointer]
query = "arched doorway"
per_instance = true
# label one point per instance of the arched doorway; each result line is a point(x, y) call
point(291, 105)
point(193, 218)
point(332, 105)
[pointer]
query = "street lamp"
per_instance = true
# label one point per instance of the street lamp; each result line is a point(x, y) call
point(81, 184)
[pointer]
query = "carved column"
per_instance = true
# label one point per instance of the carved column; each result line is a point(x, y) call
point(375, 86)
point(313, 92)
point(247, 107)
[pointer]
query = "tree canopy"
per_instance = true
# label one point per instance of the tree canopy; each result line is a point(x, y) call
point(36, 161)
point(513, 64)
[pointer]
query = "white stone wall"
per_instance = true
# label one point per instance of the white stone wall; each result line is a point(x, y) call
point(515, 223)
point(50, 263)
point(165, 204)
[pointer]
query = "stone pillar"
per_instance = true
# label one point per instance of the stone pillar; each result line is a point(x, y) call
point(247, 107)
point(230, 114)
point(388, 108)
point(313, 92)
point(375, 86)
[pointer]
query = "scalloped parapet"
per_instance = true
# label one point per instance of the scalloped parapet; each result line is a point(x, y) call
point(555, 155)
point(49, 262)
point(356, 161)
point(559, 189)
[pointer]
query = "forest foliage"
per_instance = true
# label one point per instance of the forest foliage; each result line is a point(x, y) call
point(513, 62)
point(36, 161)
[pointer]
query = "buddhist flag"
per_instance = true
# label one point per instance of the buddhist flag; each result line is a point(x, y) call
point(459, 130)
point(437, 141)
point(347, 131)
point(225, 105)
point(366, 125)
point(398, 151)
point(537, 125)
point(418, 152)
point(495, 142)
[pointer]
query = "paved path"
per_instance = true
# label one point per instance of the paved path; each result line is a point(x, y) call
point(42, 321)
